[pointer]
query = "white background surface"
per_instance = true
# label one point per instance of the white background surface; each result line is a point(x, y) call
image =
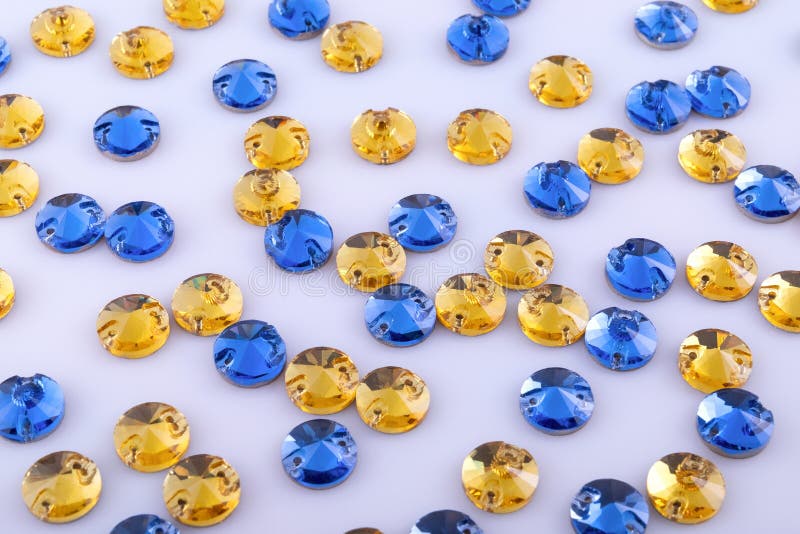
point(474, 382)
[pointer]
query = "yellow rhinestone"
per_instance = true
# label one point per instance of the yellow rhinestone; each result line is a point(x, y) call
point(19, 187)
point(470, 304)
point(731, 6)
point(685, 488)
point(7, 293)
point(276, 143)
point(61, 487)
point(610, 156)
point(194, 14)
point(262, 196)
point(151, 437)
point(713, 359)
point(383, 137)
point(142, 52)
point(205, 304)
point(392, 400)
point(370, 260)
point(63, 31)
point(518, 259)
point(561, 81)
point(779, 300)
point(712, 156)
point(321, 380)
point(499, 477)
point(479, 137)
point(21, 121)
point(722, 271)
point(201, 490)
point(352, 46)
point(133, 326)
point(553, 315)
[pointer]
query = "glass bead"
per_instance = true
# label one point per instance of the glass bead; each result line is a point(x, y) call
point(561, 81)
point(63, 31)
point(19, 187)
point(731, 6)
point(400, 315)
point(31, 407)
point(712, 156)
point(321, 380)
point(470, 304)
point(301, 241)
point(685, 488)
point(126, 133)
point(205, 304)
point(133, 326)
point(21, 121)
point(478, 39)
point(556, 401)
point(608, 506)
point(319, 454)
point(201, 490)
point(640, 269)
point(142, 52)
point(384, 136)
point(479, 137)
point(767, 193)
point(734, 423)
point(665, 25)
point(151, 437)
point(144, 524)
point(61, 487)
point(557, 190)
point(244, 85)
point(299, 19)
point(621, 340)
point(518, 259)
point(610, 156)
point(194, 14)
point(502, 8)
point(721, 271)
point(779, 300)
point(712, 359)
point(7, 293)
point(392, 400)
point(422, 223)
point(139, 231)
point(352, 46)
point(276, 143)
point(446, 522)
point(5, 55)
point(718, 92)
point(499, 477)
point(250, 353)
point(70, 223)
point(370, 260)
point(658, 107)
point(553, 315)
point(262, 196)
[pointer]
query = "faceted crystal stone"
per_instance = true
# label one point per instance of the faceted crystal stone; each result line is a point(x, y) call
point(722, 271)
point(194, 14)
point(205, 304)
point(263, 196)
point(19, 187)
point(553, 315)
point(299, 19)
point(5, 55)
point(321, 380)
point(7, 293)
point(470, 304)
point(719, 92)
point(640, 269)
point(319, 454)
point(61, 487)
point(779, 300)
point(126, 133)
point(478, 40)
point(201, 490)
point(518, 259)
point(63, 31)
point(502, 8)
point(370, 260)
point(422, 222)
point(352, 46)
point(21, 121)
point(608, 506)
point(244, 85)
point(133, 326)
point(499, 477)
point(712, 156)
point(142, 52)
point(556, 401)
point(610, 156)
point(479, 137)
point(767, 193)
point(561, 81)
point(301, 241)
point(685, 488)
point(70, 223)
point(400, 315)
point(383, 136)
point(144, 524)
point(621, 340)
point(151, 437)
point(139, 231)
point(557, 190)
point(392, 400)
point(658, 107)
point(31, 407)
point(250, 353)
point(276, 142)
point(731, 6)
point(446, 522)
point(712, 359)
point(734, 423)
point(665, 25)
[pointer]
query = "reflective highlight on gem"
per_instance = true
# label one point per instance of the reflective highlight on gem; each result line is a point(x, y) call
point(608, 506)
point(301, 241)
point(61, 487)
point(392, 400)
point(194, 14)
point(734, 423)
point(610, 156)
point(470, 304)
point(422, 223)
point(142, 52)
point(767, 193)
point(7, 293)
point(63, 31)
point(779, 300)
point(31, 407)
point(21, 121)
point(263, 196)
point(552, 315)
point(202, 490)
point(685, 488)
point(712, 156)
point(518, 259)
point(479, 137)
point(352, 46)
point(244, 85)
point(383, 136)
point(557, 190)
point(276, 142)
point(712, 359)
point(250, 353)
point(721, 271)
point(19, 187)
point(133, 326)
point(321, 380)
point(205, 304)
point(370, 260)
point(400, 315)
point(658, 107)
point(621, 340)
point(718, 92)
point(299, 19)
point(139, 231)
point(151, 437)
point(499, 477)
point(478, 39)
point(561, 81)
point(70, 223)
point(126, 133)
point(502, 8)
point(640, 269)
point(319, 454)
point(556, 401)
point(144, 524)
point(666, 25)
point(445, 522)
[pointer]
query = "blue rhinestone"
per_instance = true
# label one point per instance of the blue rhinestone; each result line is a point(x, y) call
point(502, 8)
point(139, 231)
point(5, 55)
point(665, 25)
point(319, 454)
point(478, 39)
point(422, 222)
point(640, 269)
point(718, 92)
point(126, 133)
point(556, 400)
point(557, 190)
point(70, 223)
point(400, 315)
point(250, 353)
point(734, 423)
point(299, 19)
point(302, 240)
point(31, 407)
point(621, 340)
point(144, 524)
point(658, 107)
point(244, 85)
point(446, 522)
point(767, 193)
point(608, 506)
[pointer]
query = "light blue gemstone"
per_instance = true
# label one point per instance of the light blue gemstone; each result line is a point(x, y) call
point(70, 223)
point(556, 400)
point(640, 269)
point(608, 506)
point(665, 25)
point(658, 107)
point(767, 193)
point(126, 133)
point(502, 8)
point(446, 522)
point(422, 222)
point(400, 315)
point(557, 190)
point(145, 524)
point(250, 353)
point(734, 423)
point(139, 231)
point(31, 407)
point(719, 92)
point(5, 55)
point(319, 454)
point(244, 85)
point(302, 240)
point(299, 19)
point(621, 340)
point(478, 39)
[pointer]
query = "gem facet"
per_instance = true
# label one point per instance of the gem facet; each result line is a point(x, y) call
point(19, 187)
point(299, 19)
point(142, 52)
point(422, 222)
point(70, 223)
point(712, 156)
point(151, 437)
point(658, 107)
point(194, 14)
point(370, 260)
point(621, 340)
point(610, 156)
point(640, 269)
point(470, 304)
point(779, 300)
point(478, 39)
point(722, 271)
point(767, 193)
point(392, 400)
point(731, 6)
point(250, 353)
point(502, 8)
point(61, 487)
point(557, 190)
point(685, 488)
point(719, 92)
point(276, 143)
point(556, 401)
point(446, 522)
point(126, 133)
point(133, 326)
point(608, 506)
point(713, 359)
point(518, 259)
point(561, 81)
point(665, 25)
point(31, 407)
point(144, 524)
point(352, 46)
point(321, 380)
point(205, 304)
point(479, 137)
point(499, 477)
point(63, 31)
point(263, 196)
point(383, 136)
point(244, 85)
point(7, 293)
point(400, 315)
point(319, 454)
point(553, 315)
point(139, 231)
point(21, 121)
point(5, 55)
point(302, 240)
point(734, 423)
point(201, 490)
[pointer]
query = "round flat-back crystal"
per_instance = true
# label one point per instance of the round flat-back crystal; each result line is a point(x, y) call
point(779, 300)
point(665, 24)
point(194, 14)
point(61, 487)
point(658, 107)
point(685, 488)
point(734, 423)
point(7, 293)
point(470, 304)
point(712, 156)
point(142, 52)
point(383, 136)
point(201, 490)
point(244, 85)
point(556, 401)
point(151, 437)
point(518, 259)
point(205, 304)
point(370, 260)
point(640, 269)
point(561, 81)
point(479, 137)
point(299, 19)
point(250, 353)
point(319, 454)
point(422, 223)
point(276, 142)
point(139, 231)
point(21, 121)
point(621, 340)
point(608, 506)
point(392, 400)
point(133, 326)
point(557, 190)
point(553, 315)
point(19, 187)
point(767, 193)
point(610, 156)
point(478, 39)
point(713, 359)
point(126, 133)
point(722, 271)
point(499, 477)
point(70, 223)
point(321, 380)
point(31, 407)
point(63, 31)
point(352, 46)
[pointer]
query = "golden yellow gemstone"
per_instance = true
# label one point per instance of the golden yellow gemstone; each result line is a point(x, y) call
point(384, 136)
point(370, 260)
point(561, 81)
point(518, 259)
point(499, 477)
point(712, 156)
point(142, 52)
point(321, 380)
point(7, 293)
point(470, 304)
point(194, 14)
point(276, 143)
point(201, 490)
point(151, 437)
point(553, 315)
point(392, 400)
point(63, 31)
point(779, 300)
point(352, 46)
point(205, 304)
point(21, 121)
point(133, 326)
point(685, 488)
point(731, 6)
point(610, 155)
point(61, 487)
point(19, 187)
point(479, 137)
point(713, 359)
point(722, 271)
point(262, 196)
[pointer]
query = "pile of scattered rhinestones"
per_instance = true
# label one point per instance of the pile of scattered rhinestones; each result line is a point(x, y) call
point(203, 489)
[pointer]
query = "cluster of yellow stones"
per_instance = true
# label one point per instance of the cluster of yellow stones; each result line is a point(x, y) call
point(686, 488)
point(712, 359)
point(19, 187)
point(499, 477)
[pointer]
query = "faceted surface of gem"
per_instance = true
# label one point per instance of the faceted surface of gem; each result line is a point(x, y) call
point(556, 400)
point(731, 6)
point(400, 315)
point(205, 304)
point(263, 196)
point(299, 19)
point(321, 380)
point(151, 437)
point(19, 187)
point(384, 136)
point(63, 31)
point(302, 240)
point(370, 260)
point(250, 353)
point(767, 193)
point(658, 107)
point(478, 39)
point(665, 25)
point(712, 359)
point(470, 304)
point(244, 85)
point(621, 340)
point(144, 524)
point(722, 271)
point(194, 14)
point(446, 522)
point(142, 52)
point(553, 315)
point(557, 190)
point(608, 506)
point(276, 142)
point(561, 81)
point(685, 488)
point(133, 326)
point(21, 121)
point(70, 223)
point(126, 133)
point(712, 156)
point(779, 300)
point(319, 454)
point(502, 8)
point(201, 490)
point(392, 400)
point(31, 407)
point(499, 477)
point(734, 423)
point(719, 92)
point(5, 55)
point(422, 222)
point(61, 487)
point(610, 156)
point(352, 46)
point(7, 293)
point(139, 231)
point(518, 259)
point(640, 269)
point(479, 137)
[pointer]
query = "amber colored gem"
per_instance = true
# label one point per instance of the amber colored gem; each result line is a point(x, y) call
point(713, 359)
point(610, 156)
point(7, 293)
point(321, 380)
point(142, 52)
point(712, 156)
point(685, 488)
point(151, 437)
point(518, 259)
point(63, 31)
point(470, 304)
point(779, 300)
point(352, 46)
point(21, 121)
point(133, 326)
point(479, 137)
point(370, 260)
point(553, 315)
point(262, 196)
point(722, 271)
point(206, 303)
point(561, 81)
point(194, 14)
point(201, 490)
point(731, 6)
point(499, 477)
point(277, 143)
point(384, 136)
point(392, 400)
point(19, 187)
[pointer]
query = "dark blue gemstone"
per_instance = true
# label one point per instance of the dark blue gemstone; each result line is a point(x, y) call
point(556, 400)
point(621, 340)
point(640, 269)
point(302, 240)
point(319, 453)
point(31, 407)
point(718, 92)
point(502, 8)
point(126, 133)
point(478, 39)
point(767, 193)
point(734, 423)
point(5, 55)
point(250, 353)
point(422, 222)
point(139, 231)
point(658, 107)
point(145, 524)
point(70, 223)
point(244, 85)
point(557, 190)
point(446, 522)
point(400, 315)
point(299, 19)
point(608, 506)
point(666, 25)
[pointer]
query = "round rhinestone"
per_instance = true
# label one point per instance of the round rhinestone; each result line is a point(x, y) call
point(250, 353)
point(446, 522)
point(19, 187)
point(133, 326)
point(734, 423)
point(244, 85)
point(470, 304)
point(722, 271)
point(608, 506)
point(610, 156)
point(194, 14)
point(779, 300)
point(319, 454)
point(144, 524)
point(502, 8)
point(370, 260)
point(719, 92)
point(299, 19)
point(712, 156)
point(126, 133)
point(70, 223)
point(7, 293)
point(400, 315)
point(518, 259)
point(658, 107)
point(276, 143)
point(621, 340)
point(321, 380)
point(767, 193)
point(352, 46)
point(731, 6)
point(142, 52)
point(21, 121)
point(553, 315)
point(499, 477)
point(61, 487)
point(263, 196)
point(139, 231)
point(479, 137)
point(557, 190)
point(384, 136)
point(205, 304)
point(5, 55)
point(422, 222)
point(63, 31)
point(640, 269)
point(556, 401)
point(685, 488)
point(392, 400)
point(301, 241)
point(478, 40)
point(31, 407)
point(561, 81)
point(713, 359)
point(665, 25)
point(201, 490)
point(151, 437)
